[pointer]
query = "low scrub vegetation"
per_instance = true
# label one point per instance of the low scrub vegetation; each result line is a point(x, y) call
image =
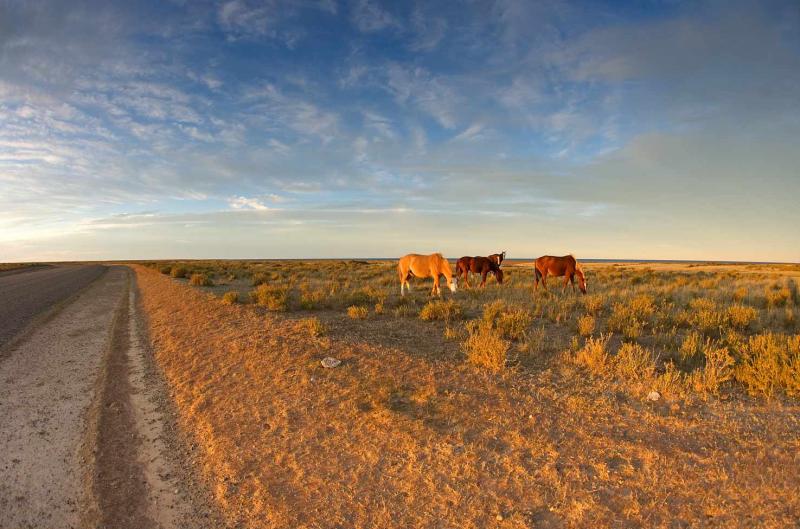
point(200, 280)
point(685, 331)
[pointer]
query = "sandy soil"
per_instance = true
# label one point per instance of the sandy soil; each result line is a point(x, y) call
point(87, 438)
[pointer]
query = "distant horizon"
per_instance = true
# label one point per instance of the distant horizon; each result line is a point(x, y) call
point(335, 127)
point(508, 259)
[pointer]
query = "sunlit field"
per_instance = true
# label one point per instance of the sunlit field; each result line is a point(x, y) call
point(680, 330)
point(661, 398)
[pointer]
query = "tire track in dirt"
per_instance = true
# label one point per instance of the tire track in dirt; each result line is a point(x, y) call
point(141, 478)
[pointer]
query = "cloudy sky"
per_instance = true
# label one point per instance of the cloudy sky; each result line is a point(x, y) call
point(243, 129)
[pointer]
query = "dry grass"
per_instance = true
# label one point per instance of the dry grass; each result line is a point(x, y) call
point(200, 280)
point(485, 347)
point(230, 298)
point(406, 434)
point(357, 312)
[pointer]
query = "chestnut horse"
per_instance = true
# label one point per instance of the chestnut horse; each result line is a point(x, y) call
point(565, 266)
point(479, 265)
point(433, 265)
point(498, 258)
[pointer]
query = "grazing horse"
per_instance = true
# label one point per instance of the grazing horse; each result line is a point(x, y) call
point(565, 266)
point(498, 258)
point(478, 265)
point(433, 265)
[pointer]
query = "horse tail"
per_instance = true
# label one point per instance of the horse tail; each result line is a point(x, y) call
point(537, 273)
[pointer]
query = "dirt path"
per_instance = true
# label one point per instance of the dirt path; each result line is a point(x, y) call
point(86, 435)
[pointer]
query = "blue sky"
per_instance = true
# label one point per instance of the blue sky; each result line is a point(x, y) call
point(239, 129)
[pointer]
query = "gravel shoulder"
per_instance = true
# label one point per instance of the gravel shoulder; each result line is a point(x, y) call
point(47, 386)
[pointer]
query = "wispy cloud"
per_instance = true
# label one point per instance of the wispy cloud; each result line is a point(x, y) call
point(298, 116)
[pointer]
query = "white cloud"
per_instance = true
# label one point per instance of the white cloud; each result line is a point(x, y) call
point(247, 203)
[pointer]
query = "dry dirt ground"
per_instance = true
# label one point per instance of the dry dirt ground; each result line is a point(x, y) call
point(405, 433)
point(87, 438)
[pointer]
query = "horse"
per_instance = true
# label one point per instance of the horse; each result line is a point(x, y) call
point(498, 258)
point(433, 265)
point(565, 266)
point(479, 265)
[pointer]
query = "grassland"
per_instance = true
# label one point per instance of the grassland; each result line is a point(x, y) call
point(490, 408)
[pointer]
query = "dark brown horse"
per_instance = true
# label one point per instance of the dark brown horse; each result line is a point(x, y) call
point(498, 258)
point(478, 265)
point(565, 266)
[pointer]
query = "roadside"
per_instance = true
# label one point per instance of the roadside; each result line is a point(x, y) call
point(87, 435)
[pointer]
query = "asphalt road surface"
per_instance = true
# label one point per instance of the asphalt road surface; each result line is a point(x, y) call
point(27, 294)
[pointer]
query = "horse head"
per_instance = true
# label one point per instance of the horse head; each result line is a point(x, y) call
point(581, 278)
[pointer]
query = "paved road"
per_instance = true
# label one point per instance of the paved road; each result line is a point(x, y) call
point(25, 295)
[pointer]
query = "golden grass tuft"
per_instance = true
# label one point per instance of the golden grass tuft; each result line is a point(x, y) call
point(314, 326)
point(485, 347)
point(441, 310)
point(273, 297)
point(200, 280)
point(178, 271)
point(230, 297)
point(357, 312)
point(770, 362)
point(586, 325)
point(741, 316)
point(594, 356)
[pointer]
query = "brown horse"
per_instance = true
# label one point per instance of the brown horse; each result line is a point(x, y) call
point(498, 258)
point(478, 265)
point(565, 266)
point(433, 265)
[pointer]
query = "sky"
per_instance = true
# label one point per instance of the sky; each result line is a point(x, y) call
point(358, 128)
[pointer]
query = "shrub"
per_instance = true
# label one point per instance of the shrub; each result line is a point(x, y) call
point(311, 299)
point(634, 362)
point(691, 346)
point(440, 310)
point(741, 316)
point(272, 297)
point(231, 297)
point(671, 382)
point(178, 271)
point(508, 320)
point(594, 356)
point(513, 323)
point(314, 327)
point(740, 294)
point(643, 306)
point(586, 325)
point(593, 303)
point(777, 296)
point(200, 280)
point(769, 362)
point(357, 312)
point(718, 369)
point(485, 347)
point(165, 270)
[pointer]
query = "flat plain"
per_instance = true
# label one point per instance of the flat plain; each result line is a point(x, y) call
point(666, 397)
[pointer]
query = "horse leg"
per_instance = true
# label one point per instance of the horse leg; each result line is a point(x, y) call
point(566, 280)
point(483, 279)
